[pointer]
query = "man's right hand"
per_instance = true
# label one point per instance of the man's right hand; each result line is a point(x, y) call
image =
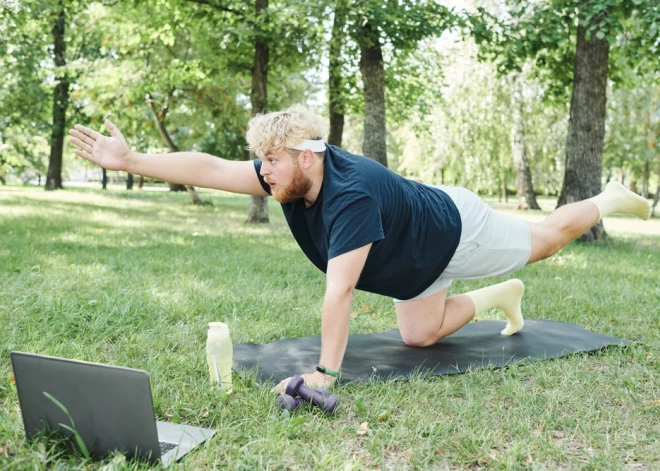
point(110, 152)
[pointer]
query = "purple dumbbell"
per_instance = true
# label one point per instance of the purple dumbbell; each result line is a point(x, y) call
point(288, 402)
point(325, 392)
point(291, 403)
point(296, 387)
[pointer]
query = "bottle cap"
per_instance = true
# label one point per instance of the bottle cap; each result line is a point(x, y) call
point(218, 325)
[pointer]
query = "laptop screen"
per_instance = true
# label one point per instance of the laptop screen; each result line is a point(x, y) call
point(110, 407)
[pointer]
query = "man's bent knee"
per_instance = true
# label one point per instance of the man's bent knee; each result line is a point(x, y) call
point(419, 339)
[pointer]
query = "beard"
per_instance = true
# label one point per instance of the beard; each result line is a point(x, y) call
point(297, 189)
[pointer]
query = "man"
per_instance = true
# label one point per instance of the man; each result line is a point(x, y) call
point(371, 229)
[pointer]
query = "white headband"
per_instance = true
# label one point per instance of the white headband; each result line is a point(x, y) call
point(313, 145)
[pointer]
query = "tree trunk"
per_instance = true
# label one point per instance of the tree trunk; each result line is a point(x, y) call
point(177, 187)
point(646, 176)
point(336, 107)
point(3, 180)
point(656, 198)
point(259, 98)
point(60, 103)
point(140, 182)
point(129, 181)
point(373, 77)
point(586, 126)
point(104, 178)
point(162, 131)
point(505, 195)
point(524, 187)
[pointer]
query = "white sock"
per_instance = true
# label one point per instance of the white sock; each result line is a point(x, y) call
point(505, 296)
point(616, 198)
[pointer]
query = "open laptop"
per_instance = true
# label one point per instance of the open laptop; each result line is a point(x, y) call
point(111, 408)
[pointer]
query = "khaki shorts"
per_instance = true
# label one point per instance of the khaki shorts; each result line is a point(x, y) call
point(492, 243)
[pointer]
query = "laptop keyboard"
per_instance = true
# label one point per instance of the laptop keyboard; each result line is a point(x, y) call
point(166, 446)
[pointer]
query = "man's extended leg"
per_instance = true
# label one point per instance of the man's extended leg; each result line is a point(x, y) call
point(423, 322)
point(426, 320)
point(572, 220)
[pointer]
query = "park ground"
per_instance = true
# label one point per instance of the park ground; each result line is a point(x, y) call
point(132, 279)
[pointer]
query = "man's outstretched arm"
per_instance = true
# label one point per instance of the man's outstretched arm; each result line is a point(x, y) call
point(342, 276)
point(188, 168)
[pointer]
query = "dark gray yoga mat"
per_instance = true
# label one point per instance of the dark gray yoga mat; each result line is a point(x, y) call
point(382, 356)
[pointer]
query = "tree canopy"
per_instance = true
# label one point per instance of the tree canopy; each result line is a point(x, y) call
point(187, 66)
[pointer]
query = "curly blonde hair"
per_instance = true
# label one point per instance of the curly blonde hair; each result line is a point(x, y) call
point(283, 129)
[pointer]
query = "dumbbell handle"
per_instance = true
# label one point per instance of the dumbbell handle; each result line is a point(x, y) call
point(288, 402)
point(296, 387)
point(292, 403)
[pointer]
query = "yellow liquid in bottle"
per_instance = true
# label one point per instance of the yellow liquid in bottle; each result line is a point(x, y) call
point(219, 353)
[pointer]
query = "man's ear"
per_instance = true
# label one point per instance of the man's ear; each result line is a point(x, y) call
point(308, 158)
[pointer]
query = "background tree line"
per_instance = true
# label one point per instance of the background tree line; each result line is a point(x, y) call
point(519, 98)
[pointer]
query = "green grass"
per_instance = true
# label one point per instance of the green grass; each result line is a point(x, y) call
point(132, 279)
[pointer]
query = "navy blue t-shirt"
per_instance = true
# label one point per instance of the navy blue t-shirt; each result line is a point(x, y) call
point(414, 228)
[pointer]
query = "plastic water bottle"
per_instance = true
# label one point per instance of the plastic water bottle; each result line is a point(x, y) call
point(219, 352)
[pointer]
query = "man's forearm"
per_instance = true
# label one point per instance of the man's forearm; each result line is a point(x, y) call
point(187, 168)
point(334, 327)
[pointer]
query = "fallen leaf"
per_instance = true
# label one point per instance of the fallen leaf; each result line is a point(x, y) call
point(366, 307)
point(383, 415)
point(12, 380)
point(529, 459)
point(363, 429)
point(438, 452)
point(354, 314)
point(410, 454)
point(3, 450)
point(205, 415)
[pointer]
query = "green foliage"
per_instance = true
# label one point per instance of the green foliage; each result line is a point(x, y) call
point(633, 132)
point(195, 57)
point(545, 32)
point(26, 57)
point(412, 76)
point(198, 73)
